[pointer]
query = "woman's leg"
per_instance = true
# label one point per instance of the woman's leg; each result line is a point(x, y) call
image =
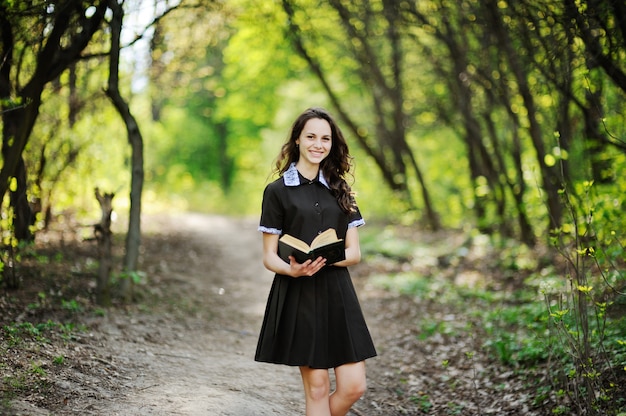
point(316, 390)
point(350, 379)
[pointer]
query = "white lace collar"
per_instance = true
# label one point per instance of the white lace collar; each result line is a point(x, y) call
point(292, 178)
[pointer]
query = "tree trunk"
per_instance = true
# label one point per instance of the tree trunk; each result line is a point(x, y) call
point(590, 22)
point(54, 57)
point(382, 75)
point(226, 162)
point(23, 216)
point(133, 236)
point(596, 143)
point(550, 180)
point(19, 116)
point(103, 235)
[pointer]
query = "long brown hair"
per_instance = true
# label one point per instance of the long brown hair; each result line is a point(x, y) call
point(335, 166)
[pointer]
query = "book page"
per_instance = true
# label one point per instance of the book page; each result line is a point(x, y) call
point(327, 237)
point(295, 243)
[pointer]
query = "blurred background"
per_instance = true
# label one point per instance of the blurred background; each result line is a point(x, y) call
point(489, 145)
point(458, 114)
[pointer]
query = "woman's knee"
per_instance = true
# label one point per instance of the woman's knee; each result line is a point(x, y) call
point(316, 384)
point(318, 391)
point(354, 389)
point(351, 381)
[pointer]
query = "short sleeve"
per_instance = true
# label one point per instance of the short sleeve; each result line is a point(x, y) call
point(355, 219)
point(272, 211)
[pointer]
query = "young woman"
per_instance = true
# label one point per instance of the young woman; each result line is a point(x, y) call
point(313, 319)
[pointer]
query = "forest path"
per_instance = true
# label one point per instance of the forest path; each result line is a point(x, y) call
point(196, 358)
point(186, 347)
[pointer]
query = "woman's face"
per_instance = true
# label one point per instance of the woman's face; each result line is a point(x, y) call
point(315, 141)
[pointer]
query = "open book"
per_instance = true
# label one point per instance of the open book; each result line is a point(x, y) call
point(325, 245)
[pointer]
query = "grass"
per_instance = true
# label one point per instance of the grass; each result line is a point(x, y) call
point(514, 300)
point(26, 349)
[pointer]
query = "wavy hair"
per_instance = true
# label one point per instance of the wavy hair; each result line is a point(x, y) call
point(335, 167)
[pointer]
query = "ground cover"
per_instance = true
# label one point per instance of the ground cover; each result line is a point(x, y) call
point(186, 345)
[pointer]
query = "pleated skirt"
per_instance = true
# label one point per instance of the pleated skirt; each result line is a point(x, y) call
point(314, 321)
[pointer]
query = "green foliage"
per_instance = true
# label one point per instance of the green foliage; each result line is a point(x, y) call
point(37, 370)
point(518, 334)
point(536, 324)
point(67, 162)
point(215, 111)
point(454, 409)
point(430, 328)
point(260, 65)
point(30, 337)
point(584, 313)
point(184, 147)
point(385, 243)
point(71, 305)
point(424, 402)
point(135, 276)
point(16, 333)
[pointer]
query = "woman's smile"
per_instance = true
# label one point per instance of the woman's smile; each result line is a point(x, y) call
point(314, 143)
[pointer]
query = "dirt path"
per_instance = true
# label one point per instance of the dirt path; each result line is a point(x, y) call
point(195, 358)
point(189, 350)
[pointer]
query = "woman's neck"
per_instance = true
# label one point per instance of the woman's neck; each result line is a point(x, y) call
point(307, 170)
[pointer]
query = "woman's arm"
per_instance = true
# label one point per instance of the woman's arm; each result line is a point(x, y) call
point(353, 248)
point(274, 263)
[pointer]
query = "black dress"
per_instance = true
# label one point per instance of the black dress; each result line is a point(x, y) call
point(310, 321)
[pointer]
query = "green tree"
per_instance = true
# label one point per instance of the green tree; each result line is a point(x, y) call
point(135, 139)
point(376, 61)
point(47, 38)
point(188, 75)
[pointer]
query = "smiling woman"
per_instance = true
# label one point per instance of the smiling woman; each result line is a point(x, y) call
point(313, 319)
point(314, 144)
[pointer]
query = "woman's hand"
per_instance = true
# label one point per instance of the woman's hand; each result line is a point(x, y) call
point(308, 268)
point(274, 263)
